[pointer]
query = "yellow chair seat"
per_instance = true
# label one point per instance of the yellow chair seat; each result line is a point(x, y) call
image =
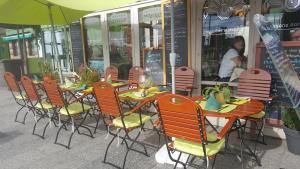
point(46, 105)
point(258, 115)
point(74, 108)
point(196, 148)
point(131, 121)
point(19, 97)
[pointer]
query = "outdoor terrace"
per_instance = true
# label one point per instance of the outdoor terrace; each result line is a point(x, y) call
point(20, 149)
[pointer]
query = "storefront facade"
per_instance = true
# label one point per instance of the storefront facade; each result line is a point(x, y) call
point(138, 35)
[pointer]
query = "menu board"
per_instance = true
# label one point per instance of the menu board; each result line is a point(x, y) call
point(263, 61)
point(153, 61)
point(181, 34)
point(77, 48)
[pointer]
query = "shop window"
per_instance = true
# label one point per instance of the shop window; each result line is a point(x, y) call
point(221, 24)
point(284, 17)
point(15, 48)
point(120, 43)
point(93, 42)
point(150, 30)
point(32, 47)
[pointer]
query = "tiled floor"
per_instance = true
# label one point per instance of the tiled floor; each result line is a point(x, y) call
point(20, 149)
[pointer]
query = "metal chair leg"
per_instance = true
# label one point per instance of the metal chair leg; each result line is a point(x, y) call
point(214, 161)
point(109, 144)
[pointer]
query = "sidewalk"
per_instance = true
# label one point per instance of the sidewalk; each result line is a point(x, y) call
point(19, 149)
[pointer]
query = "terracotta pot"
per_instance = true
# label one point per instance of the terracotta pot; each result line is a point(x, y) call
point(220, 98)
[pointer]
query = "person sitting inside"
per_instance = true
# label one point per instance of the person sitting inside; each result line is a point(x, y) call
point(232, 59)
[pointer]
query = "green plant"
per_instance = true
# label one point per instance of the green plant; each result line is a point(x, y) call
point(217, 89)
point(45, 68)
point(291, 120)
point(88, 76)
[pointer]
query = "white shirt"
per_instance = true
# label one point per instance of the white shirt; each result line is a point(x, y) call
point(227, 65)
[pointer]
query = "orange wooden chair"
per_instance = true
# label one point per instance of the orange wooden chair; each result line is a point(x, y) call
point(183, 124)
point(133, 78)
point(184, 79)
point(113, 117)
point(70, 110)
point(18, 95)
point(40, 107)
point(113, 71)
point(256, 83)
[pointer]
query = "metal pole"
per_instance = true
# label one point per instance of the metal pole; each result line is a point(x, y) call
point(53, 39)
point(24, 51)
point(172, 54)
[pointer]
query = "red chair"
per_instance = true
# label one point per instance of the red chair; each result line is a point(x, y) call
point(18, 95)
point(113, 117)
point(40, 107)
point(256, 83)
point(183, 124)
point(133, 78)
point(70, 110)
point(184, 79)
point(113, 71)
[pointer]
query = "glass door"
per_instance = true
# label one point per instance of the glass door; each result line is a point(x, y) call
point(94, 43)
point(120, 42)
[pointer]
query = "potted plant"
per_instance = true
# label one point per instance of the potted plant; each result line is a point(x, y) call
point(291, 129)
point(88, 76)
point(46, 70)
point(220, 92)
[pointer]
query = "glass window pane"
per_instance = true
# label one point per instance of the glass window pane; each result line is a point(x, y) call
point(286, 22)
point(151, 41)
point(120, 43)
point(221, 31)
point(94, 44)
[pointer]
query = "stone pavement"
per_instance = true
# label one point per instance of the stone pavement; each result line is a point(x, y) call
point(19, 149)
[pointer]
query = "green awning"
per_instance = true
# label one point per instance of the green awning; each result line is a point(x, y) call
point(15, 37)
point(92, 5)
point(35, 12)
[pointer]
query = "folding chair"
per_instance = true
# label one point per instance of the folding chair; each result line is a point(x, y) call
point(70, 111)
point(113, 117)
point(256, 83)
point(133, 78)
point(183, 125)
point(184, 79)
point(113, 71)
point(18, 95)
point(41, 108)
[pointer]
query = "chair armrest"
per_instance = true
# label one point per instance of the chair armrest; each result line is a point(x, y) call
point(226, 128)
point(139, 106)
point(79, 99)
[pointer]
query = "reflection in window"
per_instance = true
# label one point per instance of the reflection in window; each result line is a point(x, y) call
point(151, 41)
point(94, 45)
point(32, 46)
point(220, 27)
point(120, 43)
point(61, 42)
point(286, 21)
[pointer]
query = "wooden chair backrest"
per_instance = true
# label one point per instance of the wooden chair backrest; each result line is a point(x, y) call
point(107, 99)
point(184, 77)
point(29, 88)
point(180, 119)
point(134, 74)
point(255, 83)
point(54, 93)
point(113, 71)
point(12, 82)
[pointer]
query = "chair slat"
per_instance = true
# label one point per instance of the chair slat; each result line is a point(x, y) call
point(180, 119)
point(184, 77)
point(255, 83)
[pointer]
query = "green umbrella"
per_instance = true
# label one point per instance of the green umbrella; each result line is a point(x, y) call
point(51, 12)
